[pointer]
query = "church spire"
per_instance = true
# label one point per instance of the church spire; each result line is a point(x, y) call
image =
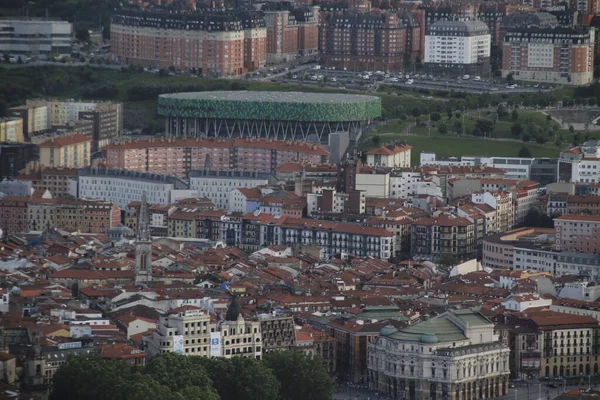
point(143, 245)
point(143, 232)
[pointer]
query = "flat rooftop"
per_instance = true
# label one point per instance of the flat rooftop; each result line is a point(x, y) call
point(269, 97)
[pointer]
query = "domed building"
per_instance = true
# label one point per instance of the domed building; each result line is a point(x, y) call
point(454, 356)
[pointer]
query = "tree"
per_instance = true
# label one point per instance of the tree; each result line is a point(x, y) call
point(477, 132)
point(548, 117)
point(525, 152)
point(447, 260)
point(516, 130)
point(82, 34)
point(376, 140)
point(571, 129)
point(177, 372)
point(510, 78)
point(458, 115)
point(435, 116)
point(501, 111)
point(302, 377)
point(241, 378)
point(540, 139)
point(526, 137)
point(6, 57)
point(457, 127)
point(515, 115)
point(442, 129)
point(535, 219)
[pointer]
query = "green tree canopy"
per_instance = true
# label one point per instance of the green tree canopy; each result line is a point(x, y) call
point(302, 377)
point(525, 152)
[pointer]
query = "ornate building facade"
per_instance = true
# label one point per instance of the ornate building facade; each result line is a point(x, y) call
point(455, 356)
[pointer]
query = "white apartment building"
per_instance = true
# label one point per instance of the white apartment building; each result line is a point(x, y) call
point(521, 303)
point(514, 167)
point(185, 330)
point(580, 164)
point(217, 185)
point(395, 155)
point(124, 186)
point(404, 183)
point(35, 36)
point(240, 338)
point(502, 202)
point(459, 46)
point(455, 355)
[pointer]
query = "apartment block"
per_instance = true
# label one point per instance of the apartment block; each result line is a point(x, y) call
point(36, 118)
point(395, 155)
point(13, 214)
point(15, 156)
point(363, 41)
point(458, 47)
point(446, 234)
point(56, 180)
point(180, 156)
point(210, 43)
point(553, 54)
point(11, 130)
point(292, 31)
point(70, 151)
point(578, 233)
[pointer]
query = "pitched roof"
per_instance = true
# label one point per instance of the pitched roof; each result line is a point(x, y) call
point(67, 140)
point(387, 150)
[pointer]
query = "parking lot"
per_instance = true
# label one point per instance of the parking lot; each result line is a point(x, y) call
point(316, 74)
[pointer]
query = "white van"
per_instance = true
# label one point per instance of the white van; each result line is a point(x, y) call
point(466, 77)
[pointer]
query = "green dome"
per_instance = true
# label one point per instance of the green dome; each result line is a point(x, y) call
point(430, 338)
point(387, 330)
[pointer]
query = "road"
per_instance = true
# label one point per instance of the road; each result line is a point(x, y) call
point(522, 391)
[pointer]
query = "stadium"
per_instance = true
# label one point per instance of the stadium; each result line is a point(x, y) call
point(273, 115)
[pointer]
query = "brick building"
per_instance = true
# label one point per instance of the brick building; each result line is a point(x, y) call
point(549, 54)
point(360, 41)
point(179, 156)
point(212, 43)
point(291, 31)
point(13, 214)
point(579, 233)
point(445, 234)
point(54, 179)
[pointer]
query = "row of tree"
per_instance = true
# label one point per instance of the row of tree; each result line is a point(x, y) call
point(283, 375)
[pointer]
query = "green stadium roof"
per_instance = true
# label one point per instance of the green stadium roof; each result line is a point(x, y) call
point(275, 106)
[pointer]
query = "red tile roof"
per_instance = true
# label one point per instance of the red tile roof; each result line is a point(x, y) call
point(66, 140)
point(389, 150)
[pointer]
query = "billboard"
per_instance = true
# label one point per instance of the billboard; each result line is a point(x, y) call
point(178, 344)
point(70, 345)
point(215, 344)
point(79, 331)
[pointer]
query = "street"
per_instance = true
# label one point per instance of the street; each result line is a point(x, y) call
point(521, 391)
